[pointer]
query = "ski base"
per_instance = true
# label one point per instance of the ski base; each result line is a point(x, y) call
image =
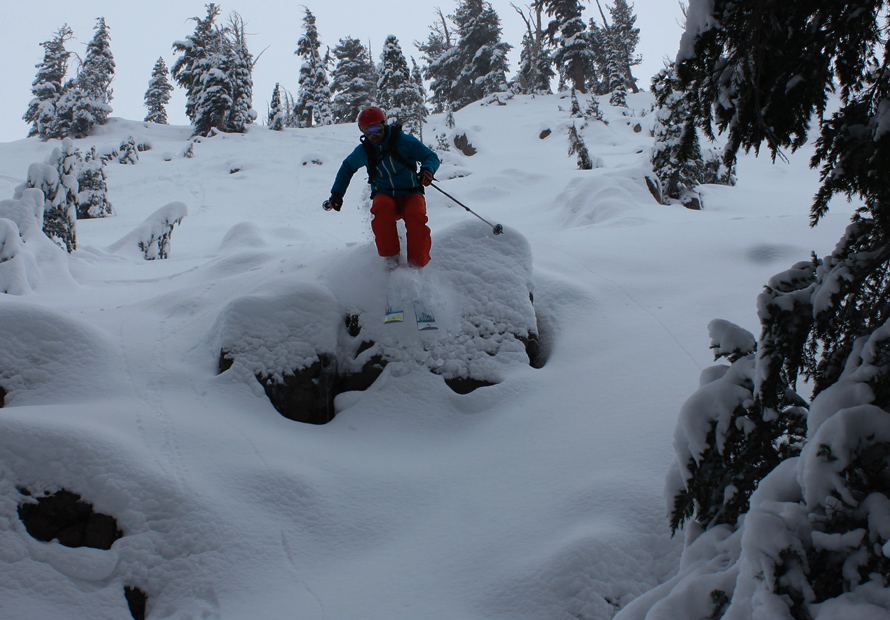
point(425, 319)
point(392, 315)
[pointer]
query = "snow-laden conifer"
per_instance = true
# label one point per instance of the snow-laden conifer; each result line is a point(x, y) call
point(805, 537)
point(397, 93)
point(48, 86)
point(577, 147)
point(535, 66)
point(240, 76)
point(91, 89)
point(57, 179)
point(158, 94)
point(352, 80)
point(420, 112)
point(215, 68)
point(313, 105)
point(277, 117)
point(572, 56)
point(442, 63)
point(624, 37)
point(92, 196)
point(482, 53)
point(676, 158)
point(195, 60)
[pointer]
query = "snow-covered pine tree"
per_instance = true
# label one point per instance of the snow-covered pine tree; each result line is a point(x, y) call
point(535, 66)
point(575, 110)
point(277, 118)
point(617, 80)
point(158, 94)
point(624, 38)
point(373, 74)
point(598, 40)
point(676, 158)
point(442, 62)
point(572, 57)
point(91, 105)
point(826, 320)
point(57, 179)
point(420, 112)
point(215, 100)
point(128, 152)
point(396, 91)
point(240, 76)
point(290, 106)
point(592, 111)
point(215, 69)
point(351, 80)
point(577, 147)
point(194, 63)
point(482, 54)
point(92, 195)
point(313, 105)
point(48, 86)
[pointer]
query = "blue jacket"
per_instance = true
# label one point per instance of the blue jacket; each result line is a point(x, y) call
point(392, 177)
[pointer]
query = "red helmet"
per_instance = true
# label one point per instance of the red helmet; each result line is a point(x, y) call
point(371, 116)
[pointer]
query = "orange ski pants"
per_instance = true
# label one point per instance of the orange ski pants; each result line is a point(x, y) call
point(387, 210)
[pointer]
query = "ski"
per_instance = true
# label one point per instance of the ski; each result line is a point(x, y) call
point(425, 318)
point(394, 313)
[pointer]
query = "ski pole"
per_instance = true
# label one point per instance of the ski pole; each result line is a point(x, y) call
point(496, 228)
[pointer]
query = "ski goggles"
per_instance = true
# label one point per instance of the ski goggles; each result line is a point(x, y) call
point(373, 129)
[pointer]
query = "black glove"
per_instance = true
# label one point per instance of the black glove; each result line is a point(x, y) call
point(334, 202)
point(426, 177)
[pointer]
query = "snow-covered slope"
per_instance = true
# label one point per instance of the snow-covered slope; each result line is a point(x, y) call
point(537, 497)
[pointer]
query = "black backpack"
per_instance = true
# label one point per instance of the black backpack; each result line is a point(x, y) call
point(395, 131)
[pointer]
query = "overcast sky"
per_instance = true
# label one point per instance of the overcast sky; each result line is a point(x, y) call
point(141, 32)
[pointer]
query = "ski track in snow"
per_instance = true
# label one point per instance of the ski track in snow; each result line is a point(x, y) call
point(538, 497)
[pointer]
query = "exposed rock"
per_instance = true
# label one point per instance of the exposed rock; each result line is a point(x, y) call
point(545, 134)
point(463, 145)
point(2, 397)
point(691, 200)
point(465, 385)
point(136, 601)
point(66, 517)
point(654, 189)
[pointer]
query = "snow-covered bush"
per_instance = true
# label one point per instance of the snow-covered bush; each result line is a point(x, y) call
point(92, 184)
point(57, 179)
point(577, 147)
point(152, 237)
point(128, 153)
point(800, 498)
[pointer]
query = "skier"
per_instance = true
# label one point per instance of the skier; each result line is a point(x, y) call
point(397, 187)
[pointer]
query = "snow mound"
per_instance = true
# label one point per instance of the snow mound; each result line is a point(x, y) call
point(271, 335)
point(310, 342)
point(478, 285)
point(48, 357)
point(598, 199)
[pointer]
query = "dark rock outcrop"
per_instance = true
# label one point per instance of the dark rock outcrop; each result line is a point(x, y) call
point(65, 517)
point(137, 600)
point(462, 143)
